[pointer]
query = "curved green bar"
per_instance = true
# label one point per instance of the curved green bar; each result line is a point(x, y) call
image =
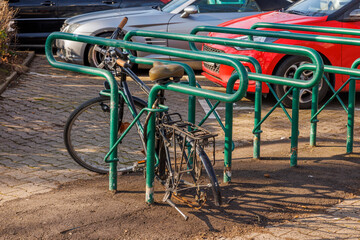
point(308, 37)
point(154, 49)
point(268, 47)
point(188, 70)
point(113, 92)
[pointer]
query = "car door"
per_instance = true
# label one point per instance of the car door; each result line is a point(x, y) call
point(350, 53)
point(69, 8)
point(35, 20)
point(211, 13)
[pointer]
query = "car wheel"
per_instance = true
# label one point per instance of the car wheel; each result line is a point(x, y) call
point(95, 56)
point(288, 69)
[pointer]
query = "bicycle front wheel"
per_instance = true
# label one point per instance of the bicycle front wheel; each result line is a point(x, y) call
point(87, 130)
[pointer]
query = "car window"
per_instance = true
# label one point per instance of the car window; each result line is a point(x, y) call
point(266, 5)
point(206, 6)
point(317, 7)
point(138, 3)
point(176, 4)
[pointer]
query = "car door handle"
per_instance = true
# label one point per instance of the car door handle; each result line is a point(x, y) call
point(109, 2)
point(48, 3)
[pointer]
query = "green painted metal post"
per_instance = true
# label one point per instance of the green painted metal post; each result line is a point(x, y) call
point(113, 138)
point(150, 159)
point(228, 132)
point(294, 127)
point(351, 116)
point(257, 119)
point(228, 142)
point(314, 109)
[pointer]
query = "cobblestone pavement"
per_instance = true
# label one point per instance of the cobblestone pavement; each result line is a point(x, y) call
point(33, 158)
point(32, 155)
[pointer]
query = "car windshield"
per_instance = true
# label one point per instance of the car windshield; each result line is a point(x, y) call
point(204, 6)
point(317, 7)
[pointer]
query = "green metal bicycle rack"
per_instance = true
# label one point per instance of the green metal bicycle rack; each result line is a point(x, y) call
point(114, 94)
point(252, 76)
point(352, 72)
point(280, 48)
point(229, 97)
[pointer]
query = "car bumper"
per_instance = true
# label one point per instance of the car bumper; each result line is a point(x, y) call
point(71, 51)
point(220, 73)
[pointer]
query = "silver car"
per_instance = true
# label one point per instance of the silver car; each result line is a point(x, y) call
point(178, 16)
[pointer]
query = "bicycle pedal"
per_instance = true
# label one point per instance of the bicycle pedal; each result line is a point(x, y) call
point(139, 165)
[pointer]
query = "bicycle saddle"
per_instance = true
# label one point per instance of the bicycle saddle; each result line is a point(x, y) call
point(162, 73)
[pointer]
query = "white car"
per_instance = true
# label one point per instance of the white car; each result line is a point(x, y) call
point(178, 16)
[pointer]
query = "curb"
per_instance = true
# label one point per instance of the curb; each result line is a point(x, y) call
point(15, 74)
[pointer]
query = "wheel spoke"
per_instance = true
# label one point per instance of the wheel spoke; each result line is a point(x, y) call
point(308, 75)
point(98, 49)
point(305, 95)
point(101, 65)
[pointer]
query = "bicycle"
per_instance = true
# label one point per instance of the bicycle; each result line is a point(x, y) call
point(178, 171)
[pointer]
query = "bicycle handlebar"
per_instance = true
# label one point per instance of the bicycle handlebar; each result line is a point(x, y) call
point(122, 63)
point(123, 23)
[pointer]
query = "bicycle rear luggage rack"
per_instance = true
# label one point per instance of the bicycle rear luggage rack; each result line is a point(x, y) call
point(194, 132)
point(186, 135)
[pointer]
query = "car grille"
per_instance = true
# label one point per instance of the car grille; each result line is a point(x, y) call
point(214, 67)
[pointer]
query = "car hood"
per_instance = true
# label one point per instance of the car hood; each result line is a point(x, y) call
point(270, 17)
point(107, 14)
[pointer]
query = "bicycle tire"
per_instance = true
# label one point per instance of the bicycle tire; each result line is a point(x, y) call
point(215, 187)
point(86, 136)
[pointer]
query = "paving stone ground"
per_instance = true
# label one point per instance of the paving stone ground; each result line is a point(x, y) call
point(33, 158)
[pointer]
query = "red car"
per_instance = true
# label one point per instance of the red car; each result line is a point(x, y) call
point(328, 13)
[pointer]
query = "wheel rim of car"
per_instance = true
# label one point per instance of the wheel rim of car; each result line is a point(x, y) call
point(305, 94)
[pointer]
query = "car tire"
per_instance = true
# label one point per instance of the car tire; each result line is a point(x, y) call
point(288, 69)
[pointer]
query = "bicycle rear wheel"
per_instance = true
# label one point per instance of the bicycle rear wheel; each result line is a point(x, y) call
point(86, 136)
point(215, 188)
point(189, 177)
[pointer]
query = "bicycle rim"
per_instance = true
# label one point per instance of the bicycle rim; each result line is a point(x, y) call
point(86, 136)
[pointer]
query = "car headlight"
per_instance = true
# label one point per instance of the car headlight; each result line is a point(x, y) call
point(69, 28)
point(256, 39)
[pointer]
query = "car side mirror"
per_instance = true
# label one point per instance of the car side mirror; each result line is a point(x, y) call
point(189, 10)
point(354, 16)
